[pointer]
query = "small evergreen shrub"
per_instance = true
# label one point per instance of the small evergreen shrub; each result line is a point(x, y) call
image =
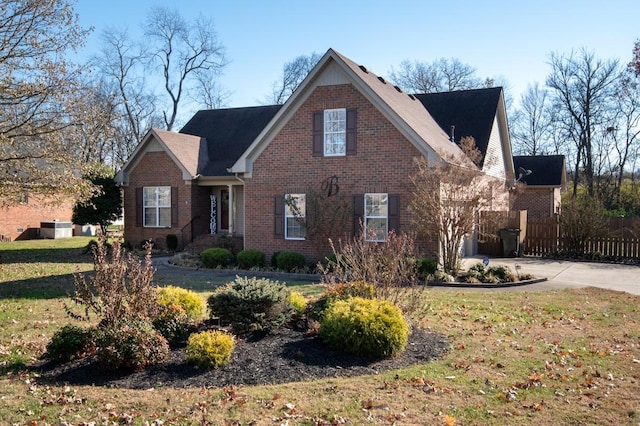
point(172, 242)
point(250, 304)
point(340, 291)
point(426, 266)
point(250, 258)
point(189, 301)
point(216, 257)
point(500, 272)
point(290, 261)
point(365, 327)
point(173, 324)
point(69, 343)
point(130, 345)
point(210, 349)
point(297, 302)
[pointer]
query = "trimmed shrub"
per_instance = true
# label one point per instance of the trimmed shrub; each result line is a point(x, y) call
point(290, 261)
point(130, 345)
point(250, 304)
point(340, 291)
point(189, 301)
point(297, 302)
point(250, 258)
point(210, 349)
point(426, 266)
point(216, 257)
point(173, 324)
point(172, 242)
point(365, 327)
point(69, 343)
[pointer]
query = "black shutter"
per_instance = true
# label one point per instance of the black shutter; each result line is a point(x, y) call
point(139, 207)
point(174, 207)
point(358, 213)
point(394, 213)
point(318, 133)
point(278, 215)
point(351, 131)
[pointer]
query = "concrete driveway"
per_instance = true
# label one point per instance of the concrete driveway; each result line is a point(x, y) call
point(566, 274)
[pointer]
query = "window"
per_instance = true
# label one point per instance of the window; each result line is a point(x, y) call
point(294, 216)
point(335, 132)
point(157, 206)
point(376, 217)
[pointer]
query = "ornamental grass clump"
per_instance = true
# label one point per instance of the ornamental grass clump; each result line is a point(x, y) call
point(210, 349)
point(250, 304)
point(365, 327)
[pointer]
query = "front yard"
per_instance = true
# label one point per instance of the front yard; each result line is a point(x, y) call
point(558, 357)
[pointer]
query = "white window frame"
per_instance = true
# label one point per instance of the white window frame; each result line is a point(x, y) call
point(376, 211)
point(335, 132)
point(156, 200)
point(295, 206)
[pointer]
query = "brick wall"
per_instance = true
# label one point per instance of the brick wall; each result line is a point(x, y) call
point(539, 202)
point(22, 221)
point(383, 163)
point(157, 169)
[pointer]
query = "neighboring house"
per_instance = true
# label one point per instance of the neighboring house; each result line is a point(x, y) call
point(259, 172)
point(21, 220)
point(543, 178)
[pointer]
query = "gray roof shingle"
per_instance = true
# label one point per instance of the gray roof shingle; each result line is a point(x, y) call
point(546, 170)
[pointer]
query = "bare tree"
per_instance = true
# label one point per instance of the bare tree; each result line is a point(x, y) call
point(582, 92)
point(532, 123)
point(293, 73)
point(634, 65)
point(122, 65)
point(442, 75)
point(185, 52)
point(445, 200)
point(37, 94)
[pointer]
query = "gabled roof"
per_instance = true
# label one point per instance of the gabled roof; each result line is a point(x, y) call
point(228, 133)
point(405, 111)
point(187, 151)
point(471, 112)
point(546, 170)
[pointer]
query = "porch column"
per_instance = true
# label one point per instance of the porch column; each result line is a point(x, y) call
point(232, 212)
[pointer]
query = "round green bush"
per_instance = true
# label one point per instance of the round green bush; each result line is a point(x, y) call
point(290, 261)
point(250, 258)
point(173, 324)
point(250, 304)
point(216, 257)
point(130, 345)
point(189, 301)
point(210, 349)
point(69, 343)
point(365, 327)
point(172, 242)
point(426, 266)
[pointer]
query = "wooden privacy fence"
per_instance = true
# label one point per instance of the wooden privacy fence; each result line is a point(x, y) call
point(545, 237)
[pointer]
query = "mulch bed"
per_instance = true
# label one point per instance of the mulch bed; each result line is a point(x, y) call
point(282, 356)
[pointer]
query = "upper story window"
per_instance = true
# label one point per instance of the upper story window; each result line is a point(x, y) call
point(335, 132)
point(376, 217)
point(294, 216)
point(157, 206)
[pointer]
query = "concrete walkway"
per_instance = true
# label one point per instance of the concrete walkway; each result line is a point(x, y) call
point(567, 274)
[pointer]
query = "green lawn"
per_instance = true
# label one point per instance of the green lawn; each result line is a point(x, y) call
point(543, 358)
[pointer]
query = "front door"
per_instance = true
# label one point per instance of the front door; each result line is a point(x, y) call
point(224, 209)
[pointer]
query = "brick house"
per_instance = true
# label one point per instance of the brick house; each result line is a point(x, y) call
point(544, 178)
point(345, 142)
point(21, 220)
